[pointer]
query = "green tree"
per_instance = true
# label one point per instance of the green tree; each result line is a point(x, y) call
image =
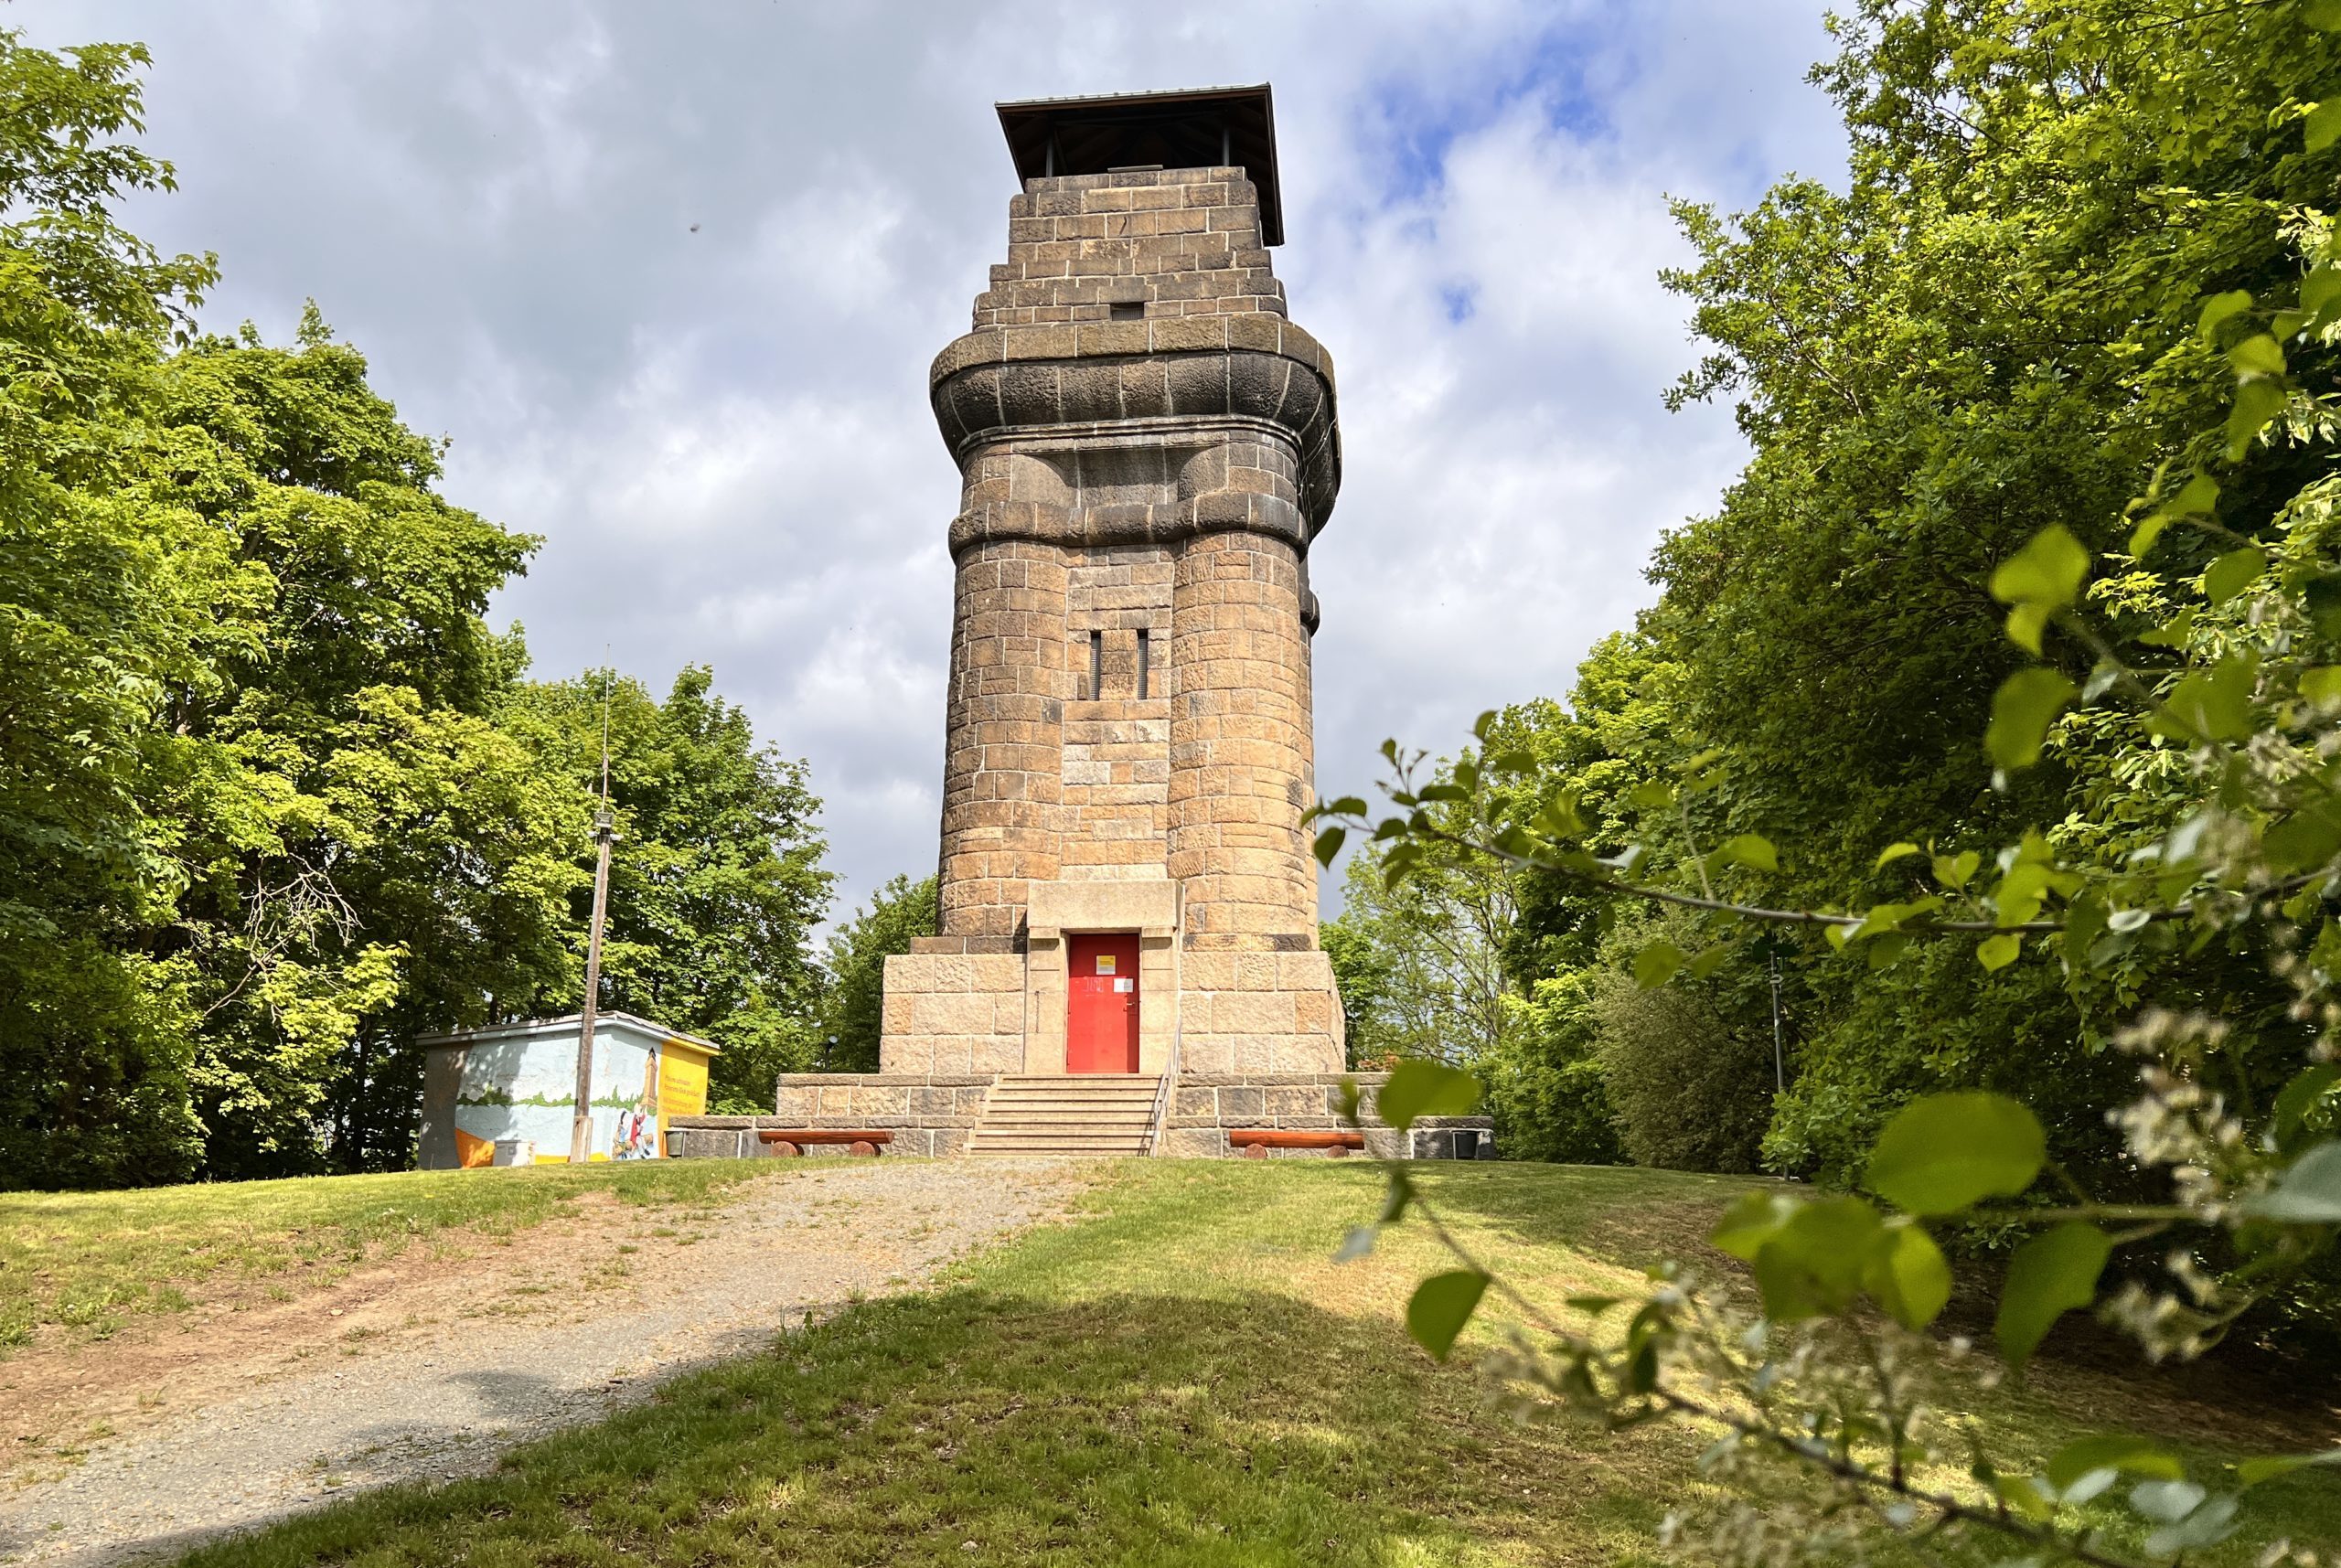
point(91, 630)
point(854, 1015)
point(2049, 391)
point(717, 880)
point(1427, 954)
point(359, 853)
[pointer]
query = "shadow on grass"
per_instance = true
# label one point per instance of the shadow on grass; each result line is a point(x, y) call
point(975, 1428)
point(1624, 1215)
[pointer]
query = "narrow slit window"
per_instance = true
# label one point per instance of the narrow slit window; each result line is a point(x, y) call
point(1096, 666)
point(1126, 310)
point(1142, 664)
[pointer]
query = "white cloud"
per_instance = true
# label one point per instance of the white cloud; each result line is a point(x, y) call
point(671, 277)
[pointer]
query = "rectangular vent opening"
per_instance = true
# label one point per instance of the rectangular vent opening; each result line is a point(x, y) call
point(1096, 666)
point(1126, 310)
point(1142, 664)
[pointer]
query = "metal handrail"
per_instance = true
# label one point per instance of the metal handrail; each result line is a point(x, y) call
point(1163, 1091)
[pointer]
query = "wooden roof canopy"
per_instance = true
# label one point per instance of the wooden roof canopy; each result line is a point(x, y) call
point(1204, 128)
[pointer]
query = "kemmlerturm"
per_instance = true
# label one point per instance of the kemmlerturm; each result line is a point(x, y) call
point(1127, 960)
point(1146, 448)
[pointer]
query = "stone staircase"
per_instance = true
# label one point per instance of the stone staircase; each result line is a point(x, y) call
point(1068, 1113)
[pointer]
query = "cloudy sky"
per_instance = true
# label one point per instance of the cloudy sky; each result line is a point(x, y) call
point(670, 276)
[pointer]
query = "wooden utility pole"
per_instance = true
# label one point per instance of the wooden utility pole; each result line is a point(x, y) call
point(580, 1131)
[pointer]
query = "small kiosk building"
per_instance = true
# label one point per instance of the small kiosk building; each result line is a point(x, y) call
point(515, 1084)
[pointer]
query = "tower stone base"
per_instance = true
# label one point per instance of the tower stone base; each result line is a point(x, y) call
point(953, 1010)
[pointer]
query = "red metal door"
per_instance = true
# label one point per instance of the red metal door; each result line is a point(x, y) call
point(1101, 1004)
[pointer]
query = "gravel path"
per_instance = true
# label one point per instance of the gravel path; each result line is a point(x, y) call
point(447, 1402)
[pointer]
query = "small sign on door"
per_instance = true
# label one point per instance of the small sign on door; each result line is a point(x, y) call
point(1105, 963)
point(1125, 984)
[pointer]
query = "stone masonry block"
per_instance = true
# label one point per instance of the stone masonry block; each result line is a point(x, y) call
point(1195, 1143)
point(1243, 1107)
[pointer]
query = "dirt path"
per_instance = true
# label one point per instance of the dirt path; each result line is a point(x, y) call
point(433, 1370)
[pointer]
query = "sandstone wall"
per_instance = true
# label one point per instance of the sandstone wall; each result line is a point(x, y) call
point(1002, 798)
point(1181, 243)
point(1147, 449)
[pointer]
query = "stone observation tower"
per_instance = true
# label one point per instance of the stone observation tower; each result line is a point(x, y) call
point(1126, 961)
point(1146, 448)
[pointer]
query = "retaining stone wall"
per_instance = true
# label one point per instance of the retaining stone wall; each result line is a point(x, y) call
point(929, 1114)
point(1206, 1107)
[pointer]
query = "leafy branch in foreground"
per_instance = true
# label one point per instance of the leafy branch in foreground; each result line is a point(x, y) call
point(2217, 672)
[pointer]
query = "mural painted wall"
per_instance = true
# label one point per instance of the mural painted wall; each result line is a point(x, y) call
point(519, 1082)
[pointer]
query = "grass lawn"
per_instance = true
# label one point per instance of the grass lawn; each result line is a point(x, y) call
point(84, 1261)
point(1180, 1376)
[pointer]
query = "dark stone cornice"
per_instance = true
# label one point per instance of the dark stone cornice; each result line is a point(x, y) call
point(995, 385)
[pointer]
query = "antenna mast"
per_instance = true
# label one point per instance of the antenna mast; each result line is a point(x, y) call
point(580, 1131)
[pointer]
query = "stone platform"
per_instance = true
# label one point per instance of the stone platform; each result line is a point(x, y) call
point(934, 1115)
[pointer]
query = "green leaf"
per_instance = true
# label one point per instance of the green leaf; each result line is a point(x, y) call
point(1816, 1263)
point(2198, 497)
point(1655, 965)
point(1909, 1275)
point(1752, 850)
point(1347, 805)
point(2323, 15)
point(2210, 704)
point(2320, 684)
point(1704, 964)
point(2132, 1456)
point(2300, 1097)
point(2321, 287)
point(1943, 1153)
point(2171, 634)
point(1442, 1305)
point(1994, 953)
point(1655, 795)
point(1753, 1219)
point(1894, 852)
point(2307, 839)
point(2257, 401)
point(2051, 1274)
point(2267, 1466)
point(1418, 1089)
point(2322, 124)
point(2022, 710)
point(2309, 1191)
point(2048, 570)
point(2260, 355)
point(1328, 843)
point(2217, 309)
point(2233, 573)
point(1952, 870)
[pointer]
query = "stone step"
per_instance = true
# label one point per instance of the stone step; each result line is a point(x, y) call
point(1091, 1115)
point(1068, 1108)
point(1059, 1146)
point(1082, 1108)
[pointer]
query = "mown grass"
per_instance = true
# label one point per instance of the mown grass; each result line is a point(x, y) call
point(1181, 1376)
point(87, 1261)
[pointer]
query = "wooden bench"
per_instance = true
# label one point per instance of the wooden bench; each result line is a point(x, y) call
point(789, 1142)
point(1256, 1142)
